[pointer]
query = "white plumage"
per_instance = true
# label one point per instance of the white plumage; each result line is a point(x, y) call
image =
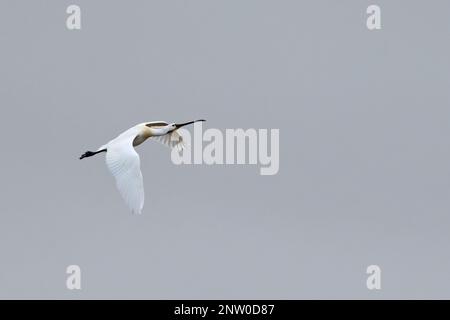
point(123, 161)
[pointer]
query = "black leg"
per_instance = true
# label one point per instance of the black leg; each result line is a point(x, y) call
point(90, 153)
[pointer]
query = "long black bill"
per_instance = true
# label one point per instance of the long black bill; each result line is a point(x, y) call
point(190, 122)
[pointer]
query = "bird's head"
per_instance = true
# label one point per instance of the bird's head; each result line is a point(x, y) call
point(172, 127)
point(175, 126)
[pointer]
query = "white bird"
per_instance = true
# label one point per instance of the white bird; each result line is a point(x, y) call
point(124, 163)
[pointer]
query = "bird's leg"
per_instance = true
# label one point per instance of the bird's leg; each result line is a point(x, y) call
point(91, 153)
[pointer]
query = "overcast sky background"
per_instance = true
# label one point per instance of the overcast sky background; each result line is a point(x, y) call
point(364, 150)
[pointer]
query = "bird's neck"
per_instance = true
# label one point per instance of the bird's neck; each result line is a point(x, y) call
point(158, 131)
point(146, 133)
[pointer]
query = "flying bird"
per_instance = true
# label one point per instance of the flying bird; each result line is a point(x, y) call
point(123, 161)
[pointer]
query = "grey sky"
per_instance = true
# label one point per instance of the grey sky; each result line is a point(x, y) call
point(364, 149)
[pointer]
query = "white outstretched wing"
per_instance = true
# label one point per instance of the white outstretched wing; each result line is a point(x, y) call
point(124, 163)
point(171, 140)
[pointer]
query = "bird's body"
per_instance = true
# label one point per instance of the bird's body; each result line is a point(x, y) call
point(124, 163)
